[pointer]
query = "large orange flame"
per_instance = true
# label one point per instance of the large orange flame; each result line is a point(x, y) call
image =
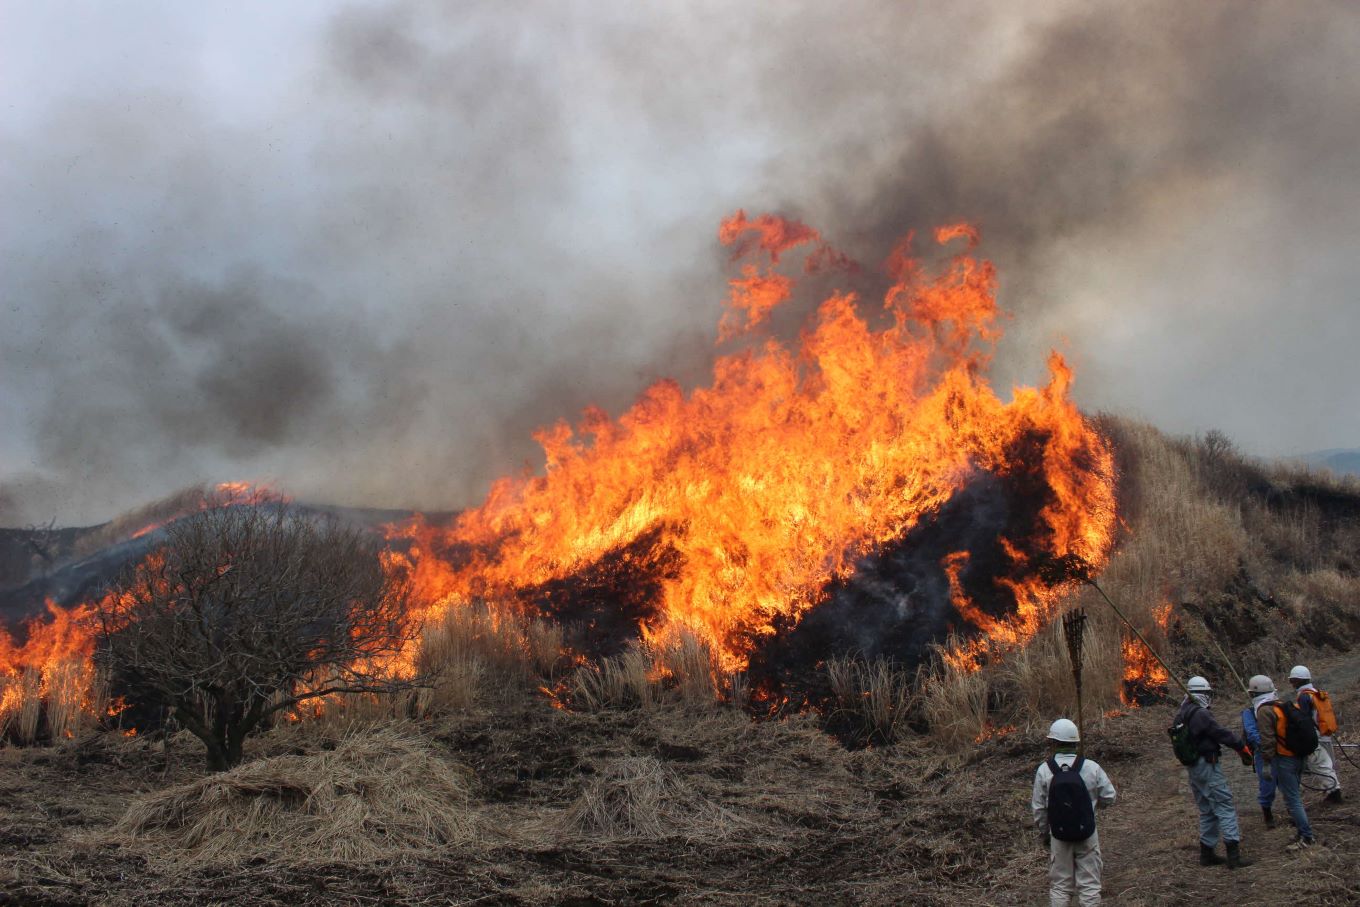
point(62, 641)
point(794, 462)
point(777, 477)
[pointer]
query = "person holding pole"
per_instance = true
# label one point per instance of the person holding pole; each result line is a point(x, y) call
point(1213, 797)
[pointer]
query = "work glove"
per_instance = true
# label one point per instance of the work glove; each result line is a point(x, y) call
point(1045, 840)
point(1246, 754)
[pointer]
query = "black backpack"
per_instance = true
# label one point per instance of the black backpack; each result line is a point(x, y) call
point(1182, 744)
point(1300, 734)
point(1071, 817)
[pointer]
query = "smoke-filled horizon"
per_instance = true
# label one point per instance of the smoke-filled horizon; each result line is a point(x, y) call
point(363, 252)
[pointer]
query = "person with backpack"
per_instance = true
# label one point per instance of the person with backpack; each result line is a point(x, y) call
point(1318, 705)
point(1195, 729)
point(1287, 738)
point(1067, 790)
point(1261, 689)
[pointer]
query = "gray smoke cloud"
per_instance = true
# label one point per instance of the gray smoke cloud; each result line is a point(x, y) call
point(364, 252)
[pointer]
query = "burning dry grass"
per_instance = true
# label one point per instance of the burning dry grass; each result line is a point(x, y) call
point(680, 668)
point(621, 681)
point(60, 701)
point(955, 702)
point(1255, 551)
point(375, 795)
point(479, 651)
point(1217, 549)
point(640, 798)
point(876, 697)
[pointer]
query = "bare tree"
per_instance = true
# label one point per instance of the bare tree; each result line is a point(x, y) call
point(248, 610)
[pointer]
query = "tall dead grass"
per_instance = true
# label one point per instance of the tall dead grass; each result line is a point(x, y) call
point(877, 697)
point(678, 668)
point(67, 699)
point(481, 652)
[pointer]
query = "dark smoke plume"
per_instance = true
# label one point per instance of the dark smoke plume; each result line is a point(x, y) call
point(435, 227)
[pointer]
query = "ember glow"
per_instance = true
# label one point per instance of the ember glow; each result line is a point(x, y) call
point(1142, 672)
point(746, 498)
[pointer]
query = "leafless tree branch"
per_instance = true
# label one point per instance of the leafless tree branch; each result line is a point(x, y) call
point(248, 610)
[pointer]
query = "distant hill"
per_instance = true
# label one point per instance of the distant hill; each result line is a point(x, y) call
point(1341, 460)
point(70, 565)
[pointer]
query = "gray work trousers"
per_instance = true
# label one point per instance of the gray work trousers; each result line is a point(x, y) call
point(1074, 868)
point(1213, 797)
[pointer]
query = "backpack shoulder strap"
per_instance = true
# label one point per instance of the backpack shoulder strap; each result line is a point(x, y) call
point(1053, 766)
point(1076, 766)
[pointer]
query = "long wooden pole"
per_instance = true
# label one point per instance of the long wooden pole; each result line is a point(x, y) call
point(1224, 655)
point(1169, 673)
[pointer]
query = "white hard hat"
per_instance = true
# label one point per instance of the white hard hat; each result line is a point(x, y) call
point(1064, 731)
point(1198, 684)
point(1300, 672)
point(1260, 684)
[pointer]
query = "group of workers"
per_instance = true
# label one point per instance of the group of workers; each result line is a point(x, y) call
point(1069, 788)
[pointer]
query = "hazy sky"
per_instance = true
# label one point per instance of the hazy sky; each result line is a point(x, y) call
point(362, 250)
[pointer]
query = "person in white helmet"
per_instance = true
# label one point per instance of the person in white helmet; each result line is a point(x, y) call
point(1261, 689)
point(1067, 790)
point(1317, 705)
point(1280, 763)
point(1213, 797)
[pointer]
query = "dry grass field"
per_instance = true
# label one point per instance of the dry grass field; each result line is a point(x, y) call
point(541, 806)
point(523, 778)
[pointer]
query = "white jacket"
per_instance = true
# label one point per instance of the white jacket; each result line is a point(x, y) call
point(1097, 784)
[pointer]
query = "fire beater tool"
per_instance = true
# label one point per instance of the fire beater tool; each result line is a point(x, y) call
point(1074, 568)
point(1074, 629)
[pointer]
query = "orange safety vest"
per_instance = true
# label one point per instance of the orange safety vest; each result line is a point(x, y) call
point(1280, 729)
point(1326, 716)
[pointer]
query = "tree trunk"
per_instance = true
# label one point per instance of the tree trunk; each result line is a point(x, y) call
point(223, 737)
point(235, 746)
point(217, 756)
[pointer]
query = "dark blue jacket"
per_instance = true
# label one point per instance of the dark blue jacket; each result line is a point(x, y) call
point(1208, 735)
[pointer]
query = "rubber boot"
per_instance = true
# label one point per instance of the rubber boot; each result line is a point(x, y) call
point(1269, 816)
point(1333, 796)
point(1207, 857)
point(1235, 858)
